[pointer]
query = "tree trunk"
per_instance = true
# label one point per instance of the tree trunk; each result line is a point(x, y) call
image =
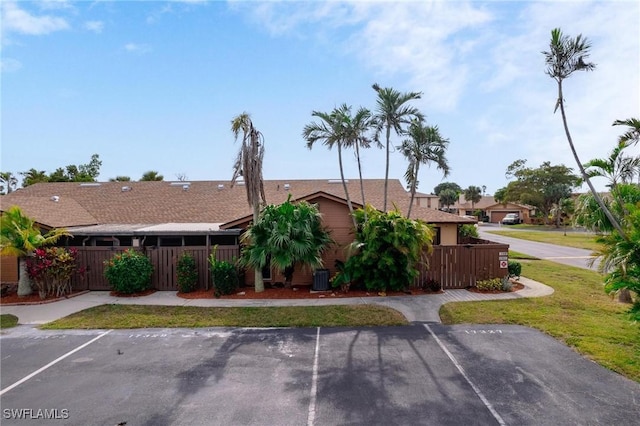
point(624, 296)
point(364, 203)
point(259, 283)
point(24, 282)
point(344, 185)
point(386, 171)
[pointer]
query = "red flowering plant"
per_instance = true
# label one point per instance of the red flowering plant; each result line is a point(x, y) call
point(51, 269)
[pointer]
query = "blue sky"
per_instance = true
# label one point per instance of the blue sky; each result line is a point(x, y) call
point(153, 85)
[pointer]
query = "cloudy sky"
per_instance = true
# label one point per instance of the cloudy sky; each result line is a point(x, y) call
point(152, 85)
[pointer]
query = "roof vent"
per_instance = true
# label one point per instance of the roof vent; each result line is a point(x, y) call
point(126, 188)
point(180, 184)
point(185, 187)
point(337, 181)
point(55, 198)
point(287, 186)
point(220, 186)
point(89, 184)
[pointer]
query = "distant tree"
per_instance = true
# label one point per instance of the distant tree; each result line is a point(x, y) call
point(447, 185)
point(473, 194)
point(151, 176)
point(248, 164)
point(500, 195)
point(562, 212)
point(182, 177)
point(120, 179)
point(8, 182)
point(81, 173)
point(392, 112)
point(33, 176)
point(448, 197)
point(425, 145)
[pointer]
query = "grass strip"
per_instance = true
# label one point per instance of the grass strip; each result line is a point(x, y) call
point(8, 321)
point(579, 314)
point(572, 239)
point(143, 316)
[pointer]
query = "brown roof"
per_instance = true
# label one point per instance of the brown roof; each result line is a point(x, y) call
point(62, 213)
point(198, 201)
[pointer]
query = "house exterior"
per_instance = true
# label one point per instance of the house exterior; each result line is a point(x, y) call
point(491, 210)
point(166, 218)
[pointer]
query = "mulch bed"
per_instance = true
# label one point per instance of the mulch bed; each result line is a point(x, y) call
point(34, 298)
point(515, 286)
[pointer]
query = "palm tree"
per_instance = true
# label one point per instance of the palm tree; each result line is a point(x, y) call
point(20, 236)
point(425, 145)
point(330, 131)
point(567, 55)
point(8, 182)
point(120, 179)
point(33, 176)
point(633, 134)
point(617, 167)
point(151, 176)
point(285, 235)
point(248, 165)
point(473, 194)
point(393, 113)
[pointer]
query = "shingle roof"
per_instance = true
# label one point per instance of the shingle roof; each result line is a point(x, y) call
point(195, 202)
point(62, 213)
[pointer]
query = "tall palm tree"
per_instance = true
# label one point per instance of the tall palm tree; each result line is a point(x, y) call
point(567, 55)
point(330, 130)
point(618, 168)
point(473, 194)
point(8, 182)
point(633, 133)
point(248, 164)
point(425, 145)
point(393, 113)
point(21, 236)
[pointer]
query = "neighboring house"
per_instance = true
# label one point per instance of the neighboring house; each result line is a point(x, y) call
point(493, 211)
point(429, 201)
point(158, 215)
point(464, 207)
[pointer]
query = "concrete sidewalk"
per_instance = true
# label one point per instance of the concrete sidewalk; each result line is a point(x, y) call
point(423, 308)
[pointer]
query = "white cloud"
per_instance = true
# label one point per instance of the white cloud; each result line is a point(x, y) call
point(18, 20)
point(95, 26)
point(10, 65)
point(137, 48)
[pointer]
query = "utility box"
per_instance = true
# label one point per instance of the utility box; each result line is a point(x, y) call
point(320, 280)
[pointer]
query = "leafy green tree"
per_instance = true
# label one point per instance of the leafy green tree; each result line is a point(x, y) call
point(82, 173)
point(330, 130)
point(387, 250)
point(425, 145)
point(120, 179)
point(248, 165)
point(151, 176)
point(501, 195)
point(542, 187)
point(285, 235)
point(473, 194)
point(21, 236)
point(392, 112)
point(8, 182)
point(562, 211)
point(447, 185)
point(567, 55)
point(448, 197)
point(33, 176)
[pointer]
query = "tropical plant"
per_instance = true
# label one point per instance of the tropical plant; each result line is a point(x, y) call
point(448, 197)
point(562, 212)
point(187, 273)
point(425, 145)
point(151, 176)
point(392, 112)
point(51, 270)
point(224, 275)
point(632, 134)
point(285, 235)
point(248, 165)
point(33, 176)
point(567, 55)
point(129, 272)
point(8, 182)
point(473, 194)
point(20, 236)
point(330, 130)
point(468, 231)
point(617, 168)
point(120, 179)
point(388, 249)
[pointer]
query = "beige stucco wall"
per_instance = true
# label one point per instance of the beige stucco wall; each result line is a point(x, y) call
point(448, 234)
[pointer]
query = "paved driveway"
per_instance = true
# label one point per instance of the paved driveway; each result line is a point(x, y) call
point(419, 374)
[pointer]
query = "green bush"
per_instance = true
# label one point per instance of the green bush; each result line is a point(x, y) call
point(469, 231)
point(515, 268)
point(507, 285)
point(129, 272)
point(224, 276)
point(187, 272)
point(492, 284)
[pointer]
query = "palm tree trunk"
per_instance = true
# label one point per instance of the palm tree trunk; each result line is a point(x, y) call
point(364, 203)
point(24, 282)
point(583, 173)
point(413, 190)
point(344, 185)
point(386, 171)
point(258, 282)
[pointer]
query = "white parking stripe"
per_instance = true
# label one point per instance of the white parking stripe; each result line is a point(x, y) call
point(314, 383)
point(55, 361)
point(484, 400)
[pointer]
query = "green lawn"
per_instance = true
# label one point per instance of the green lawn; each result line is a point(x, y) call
point(142, 316)
point(572, 239)
point(579, 314)
point(8, 321)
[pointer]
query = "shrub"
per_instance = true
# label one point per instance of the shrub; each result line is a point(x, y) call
point(469, 231)
point(492, 284)
point(129, 272)
point(51, 270)
point(507, 285)
point(187, 273)
point(433, 285)
point(515, 268)
point(224, 276)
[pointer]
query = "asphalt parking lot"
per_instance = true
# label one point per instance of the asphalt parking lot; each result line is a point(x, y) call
point(419, 374)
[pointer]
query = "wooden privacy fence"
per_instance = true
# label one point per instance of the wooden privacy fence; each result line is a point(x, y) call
point(163, 259)
point(461, 266)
